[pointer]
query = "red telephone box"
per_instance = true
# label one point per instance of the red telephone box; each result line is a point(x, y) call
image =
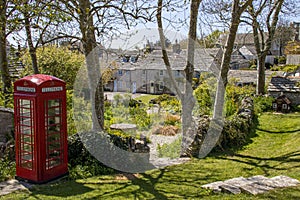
point(40, 128)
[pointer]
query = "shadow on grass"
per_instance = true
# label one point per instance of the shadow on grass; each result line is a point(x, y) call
point(276, 132)
point(60, 189)
point(267, 163)
point(148, 184)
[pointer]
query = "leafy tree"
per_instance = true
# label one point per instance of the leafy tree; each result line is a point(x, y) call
point(93, 20)
point(6, 10)
point(284, 33)
point(264, 14)
point(210, 40)
point(56, 61)
point(37, 19)
point(225, 11)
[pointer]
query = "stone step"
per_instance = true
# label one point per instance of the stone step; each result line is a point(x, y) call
point(252, 185)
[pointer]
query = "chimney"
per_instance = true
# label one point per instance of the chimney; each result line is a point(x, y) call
point(176, 47)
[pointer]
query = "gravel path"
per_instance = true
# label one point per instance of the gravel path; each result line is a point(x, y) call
point(163, 162)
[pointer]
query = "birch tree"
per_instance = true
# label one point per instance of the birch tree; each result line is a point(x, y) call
point(237, 9)
point(96, 20)
point(187, 99)
point(264, 14)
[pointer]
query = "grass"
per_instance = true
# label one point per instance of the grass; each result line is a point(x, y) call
point(274, 151)
point(146, 98)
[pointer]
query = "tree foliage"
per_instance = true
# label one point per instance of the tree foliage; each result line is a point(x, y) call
point(56, 61)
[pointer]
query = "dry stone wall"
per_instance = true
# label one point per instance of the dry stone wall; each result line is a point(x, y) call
point(6, 132)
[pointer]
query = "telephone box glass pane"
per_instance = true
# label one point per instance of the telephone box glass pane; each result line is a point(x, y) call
point(26, 131)
point(53, 133)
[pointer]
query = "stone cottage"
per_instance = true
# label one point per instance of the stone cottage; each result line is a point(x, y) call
point(148, 74)
point(284, 86)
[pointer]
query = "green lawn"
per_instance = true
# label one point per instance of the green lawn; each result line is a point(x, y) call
point(146, 98)
point(274, 151)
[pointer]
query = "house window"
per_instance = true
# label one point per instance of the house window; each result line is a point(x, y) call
point(161, 85)
point(161, 72)
point(274, 105)
point(120, 72)
point(177, 73)
point(284, 106)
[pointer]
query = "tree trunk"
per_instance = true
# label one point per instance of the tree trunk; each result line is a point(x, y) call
point(6, 79)
point(263, 47)
point(225, 63)
point(188, 100)
point(93, 64)
point(216, 125)
point(32, 49)
point(260, 88)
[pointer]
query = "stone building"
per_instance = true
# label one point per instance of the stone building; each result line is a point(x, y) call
point(284, 86)
point(148, 74)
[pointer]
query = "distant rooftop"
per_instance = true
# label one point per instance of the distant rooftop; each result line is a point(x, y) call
point(204, 60)
point(282, 84)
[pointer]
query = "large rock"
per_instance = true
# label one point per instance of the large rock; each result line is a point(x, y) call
point(253, 185)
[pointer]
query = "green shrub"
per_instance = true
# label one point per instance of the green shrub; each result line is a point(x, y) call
point(82, 114)
point(7, 100)
point(7, 169)
point(253, 67)
point(295, 108)
point(237, 131)
point(140, 117)
point(170, 150)
point(285, 68)
point(203, 98)
point(70, 112)
point(235, 95)
point(81, 163)
point(262, 104)
point(231, 107)
point(171, 105)
point(281, 60)
point(167, 102)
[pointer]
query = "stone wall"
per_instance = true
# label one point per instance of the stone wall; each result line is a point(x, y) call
point(293, 59)
point(235, 133)
point(6, 131)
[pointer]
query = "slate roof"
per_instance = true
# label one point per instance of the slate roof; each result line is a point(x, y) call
point(282, 84)
point(248, 50)
point(283, 98)
point(241, 38)
point(205, 59)
point(248, 76)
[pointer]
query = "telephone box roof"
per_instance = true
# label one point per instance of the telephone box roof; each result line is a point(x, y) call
point(38, 79)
